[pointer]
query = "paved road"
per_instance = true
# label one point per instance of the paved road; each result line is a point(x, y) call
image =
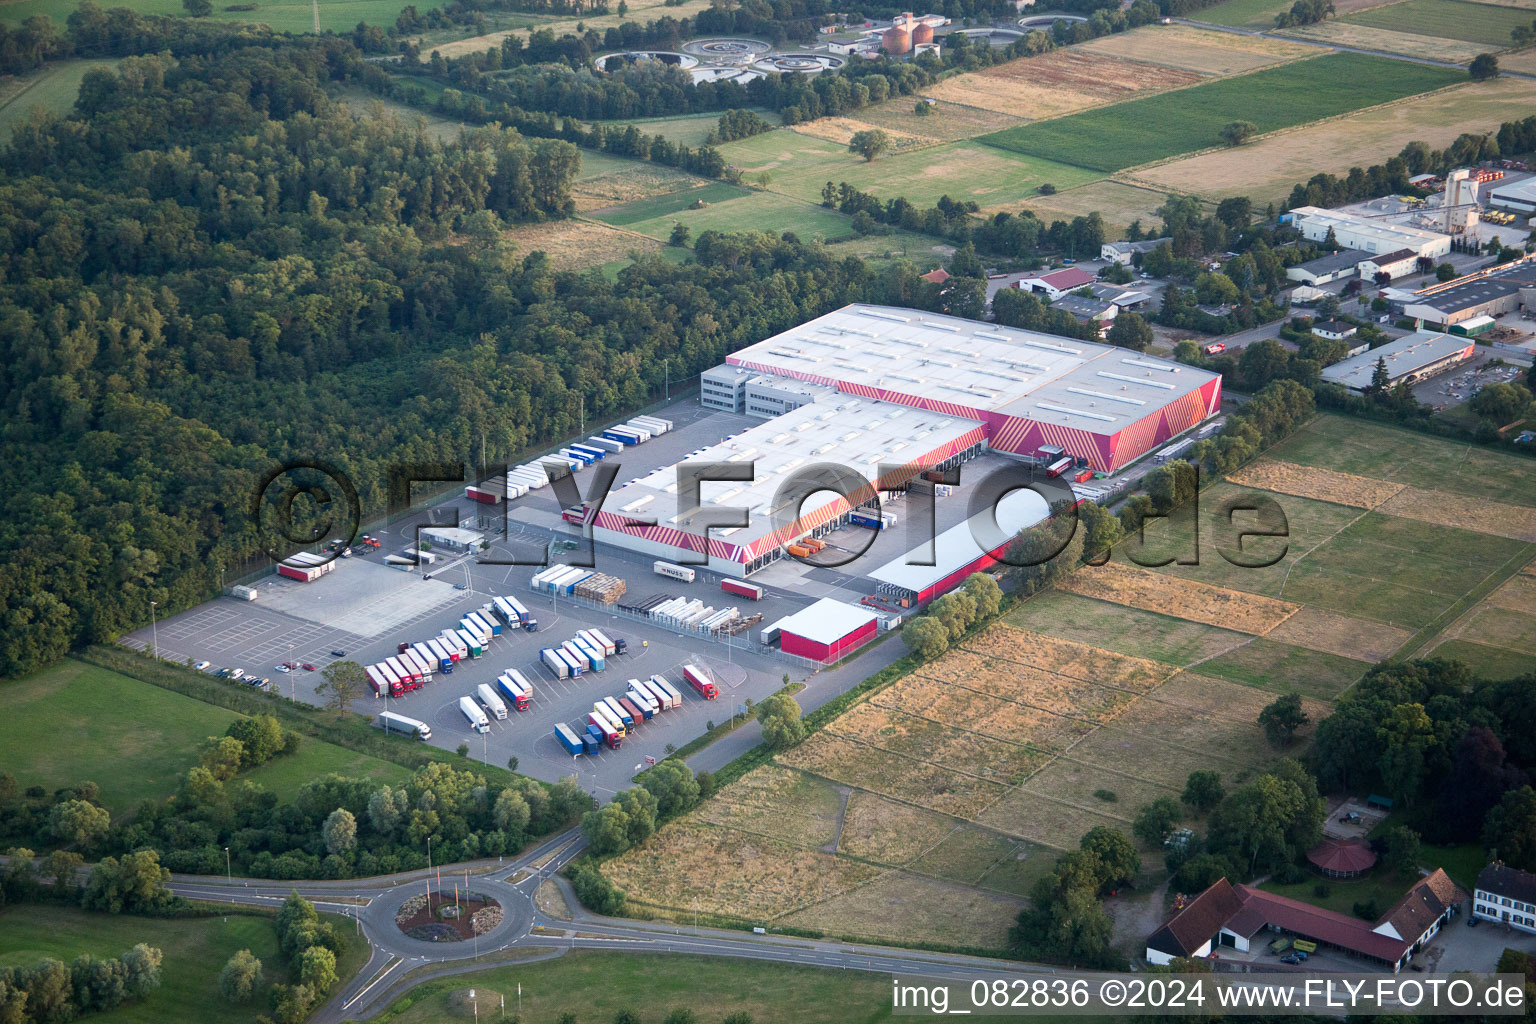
point(1430, 62)
point(372, 903)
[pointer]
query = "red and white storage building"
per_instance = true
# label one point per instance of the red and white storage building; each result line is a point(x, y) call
point(827, 630)
point(306, 566)
point(972, 546)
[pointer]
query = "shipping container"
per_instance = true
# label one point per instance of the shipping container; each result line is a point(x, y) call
point(635, 711)
point(607, 444)
point(513, 691)
point(472, 713)
point(750, 591)
point(613, 733)
point(656, 693)
point(602, 640)
point(591, 739)
point(672, 691)
point(554, 662)
point(624, 437)
point(391, 722)
point(676, 572)
point(700, 680)
point(569, 740)
point(491, 701)
point(618, 711)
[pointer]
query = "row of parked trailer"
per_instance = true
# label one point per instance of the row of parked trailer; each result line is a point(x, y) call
point(512, 690)
point(587, 651)
point(573, 457)
point(414, 663)
point(692, 615)
point(613, 718)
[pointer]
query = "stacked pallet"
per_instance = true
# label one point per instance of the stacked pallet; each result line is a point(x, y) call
point(601, 588)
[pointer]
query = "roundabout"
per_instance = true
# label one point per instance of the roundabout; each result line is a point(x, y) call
point(429, 915)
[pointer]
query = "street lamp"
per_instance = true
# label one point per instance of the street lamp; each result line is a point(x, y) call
point(228, 875)
point(154, 632)
point(429, 868)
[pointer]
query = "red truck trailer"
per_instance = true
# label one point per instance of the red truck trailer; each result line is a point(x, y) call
point(697, 678)
point(483, 495)
point(750, 591)
point(611, 734)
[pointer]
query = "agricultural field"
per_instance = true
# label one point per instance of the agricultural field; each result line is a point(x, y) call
point(1144, 634)
point(1243, 13)
point(685, 129)
point(1285, 668)
point(800, 166)
point(1119, 203)
point(579, 244)
point(155, 730)
point(1266, 169)
point(840, 131)
point(1195, 49)
point(1523, 61)
point(1445, 19)
point(669, 203)
point(1181, 598)
point(751, 211)
point(54, 89)
point(286, 16)
point(1140, 131)
point(1497, 635)
point(1060, 82)
point(641, 11)
point(946, 122)
point(1366, 37)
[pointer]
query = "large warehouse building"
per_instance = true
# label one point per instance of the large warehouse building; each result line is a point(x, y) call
point(826, 631)
point(1408, 359)
point(1369, 234)
point(1491, 292)
point(972, 546)
point(871, 385)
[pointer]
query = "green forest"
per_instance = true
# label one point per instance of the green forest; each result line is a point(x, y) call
point(211, 267)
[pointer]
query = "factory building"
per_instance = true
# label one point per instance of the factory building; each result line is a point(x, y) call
point(907, 391)
point(1124, 252)
point(1489, 293)
point(1396, 264)
point(1369, 234)
point(1409, 360)
point(1335, 266)
point(1519, 196)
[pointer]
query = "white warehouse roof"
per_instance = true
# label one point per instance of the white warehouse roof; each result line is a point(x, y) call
point(957, 546)
point(1404, 356)
point(1388, 237)
point(856, 434)
point(827, 621)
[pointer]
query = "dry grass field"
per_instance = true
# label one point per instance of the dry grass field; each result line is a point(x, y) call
point(1119, 203)
point(1408, 44)
point(1059, 83)
point(888, 831)
point(1319, 484)
point(1119, 583)
point(1523, 61)
point(840, 130)
point(1074, 782)
point(899, 905)
point(1050, 822)
point(927, 741)
point(641, 11)
point(997, 717)
point(788, 805)
point(1464, 512)
point(749, 876)
point(1343, 635)
point(1266, 169)
point(880, 771)
point(1064, 657)
point(950, 122)
point(578, 244)
point(635, 181)
point(1196, 49)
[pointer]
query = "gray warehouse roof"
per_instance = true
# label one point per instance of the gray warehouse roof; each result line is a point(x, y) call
point(1404, 356)
point(1333, 262)
point(1474, 291)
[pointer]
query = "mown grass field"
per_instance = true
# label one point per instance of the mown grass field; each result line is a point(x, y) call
point(194, 949)
point(630, 214)
point(1448, 19)
point(54, 89)
point(753, 211)
point(285, 16)
point(1243, 13)
point(596, 986)
point(1140, 131)
point(800, 166)
point(77, 722)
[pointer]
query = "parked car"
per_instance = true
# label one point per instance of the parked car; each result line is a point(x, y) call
point(1214, 347)
point(461, 586)
point(1291, 959)
point(284, 668)
point(202, 666)
point(308, 667)
point(338, 653)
